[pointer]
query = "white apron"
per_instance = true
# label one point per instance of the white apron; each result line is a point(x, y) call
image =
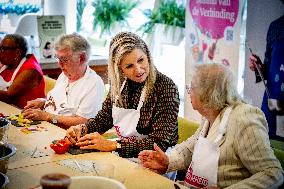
point(203, 168)
point(58, 103)
point(4, 85)
point(125, 120)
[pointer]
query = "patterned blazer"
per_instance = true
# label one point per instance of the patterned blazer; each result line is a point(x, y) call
point(246, 158)
point(158, 115)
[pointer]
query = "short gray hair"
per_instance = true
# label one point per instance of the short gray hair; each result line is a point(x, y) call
point(215, 86)
point(122, 44)
point(74, 42)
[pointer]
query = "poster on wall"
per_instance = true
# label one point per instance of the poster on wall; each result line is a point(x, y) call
point(49, 28)
point(213, 34)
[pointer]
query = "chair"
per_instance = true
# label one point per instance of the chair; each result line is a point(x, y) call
point(279, 154)
point(186, 128)
point(49, 84)
point(277, 144)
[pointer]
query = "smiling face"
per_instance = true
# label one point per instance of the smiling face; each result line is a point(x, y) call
point(135, 66)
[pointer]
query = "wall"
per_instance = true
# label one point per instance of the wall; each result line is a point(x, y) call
point(259, 15)
point(62, 7)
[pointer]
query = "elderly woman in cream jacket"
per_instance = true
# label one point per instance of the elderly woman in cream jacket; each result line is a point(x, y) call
point(231, 148)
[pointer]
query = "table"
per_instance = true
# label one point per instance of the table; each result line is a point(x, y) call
point(25, 171)
point(97, 63)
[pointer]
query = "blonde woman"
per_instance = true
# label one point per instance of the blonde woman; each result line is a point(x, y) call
point(142, 104)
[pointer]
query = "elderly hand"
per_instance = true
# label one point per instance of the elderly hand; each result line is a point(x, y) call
point(96, 141)
point(35, 104)
point(73, 134)
point(254, 60)
point(156, 160)
point(36, 114)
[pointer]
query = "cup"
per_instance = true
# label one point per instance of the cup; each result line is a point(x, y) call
point(103, 169)
point(55, 181)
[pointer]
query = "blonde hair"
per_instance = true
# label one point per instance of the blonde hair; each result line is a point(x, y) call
point(215, 86)
point(122, 44)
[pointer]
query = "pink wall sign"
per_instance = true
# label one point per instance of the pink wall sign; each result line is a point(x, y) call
point(212, 17)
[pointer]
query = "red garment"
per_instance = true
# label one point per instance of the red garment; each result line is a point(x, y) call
point(38, 91)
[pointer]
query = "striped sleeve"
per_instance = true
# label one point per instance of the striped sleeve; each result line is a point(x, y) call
point(103, 120)
point(253, 148)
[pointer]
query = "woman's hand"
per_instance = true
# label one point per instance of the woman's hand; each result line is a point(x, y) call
point(96, 141)
point(36, 114)
point(73, 134)
point(210, 187)
point(35, 104)
point(156, 160)
point(254, 60)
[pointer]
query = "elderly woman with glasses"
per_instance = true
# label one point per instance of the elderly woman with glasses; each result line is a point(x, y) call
point(231, 148)
point(142, 104)
point(21, 77)
point(78, 93)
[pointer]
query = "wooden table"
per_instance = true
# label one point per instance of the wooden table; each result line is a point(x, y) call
point(25, 171)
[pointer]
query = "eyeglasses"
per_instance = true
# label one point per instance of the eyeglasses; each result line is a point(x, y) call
point(2, 49)
point(188, 88)
point(62, 59)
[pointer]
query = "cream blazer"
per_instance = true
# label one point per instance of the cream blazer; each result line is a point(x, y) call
point(246, 158)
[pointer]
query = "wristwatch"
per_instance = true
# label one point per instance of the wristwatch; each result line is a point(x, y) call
point(54, 119)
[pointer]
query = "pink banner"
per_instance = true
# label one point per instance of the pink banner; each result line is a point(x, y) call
point(213, 34)
point(212, 17)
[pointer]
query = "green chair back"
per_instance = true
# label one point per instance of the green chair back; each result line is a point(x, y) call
point(277, 144)
point(279, 155)
point(186, 128)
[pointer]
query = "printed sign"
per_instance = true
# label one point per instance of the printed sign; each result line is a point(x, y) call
point(49, 28)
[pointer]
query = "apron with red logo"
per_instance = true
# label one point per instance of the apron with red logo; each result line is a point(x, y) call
point(203, 169)
point(125, 120)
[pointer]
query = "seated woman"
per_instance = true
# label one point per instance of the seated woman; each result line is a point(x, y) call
point(21, 77)
point(142, 104)
point(231, 148)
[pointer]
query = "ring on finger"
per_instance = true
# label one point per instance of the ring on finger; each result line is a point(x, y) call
point(90, 142)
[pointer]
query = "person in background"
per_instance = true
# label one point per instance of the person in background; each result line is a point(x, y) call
point(231, 148)
point(78, 93)
point(47, 51)
point(21, 77)
point(272, 70)
point(142, 103)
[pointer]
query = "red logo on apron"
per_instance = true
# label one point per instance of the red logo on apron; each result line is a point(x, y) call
point(130, 139)
point(195, 180)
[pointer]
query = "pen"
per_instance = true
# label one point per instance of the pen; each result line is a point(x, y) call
point(246, 43)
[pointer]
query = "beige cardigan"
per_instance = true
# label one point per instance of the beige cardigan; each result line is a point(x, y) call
point(246, 159)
